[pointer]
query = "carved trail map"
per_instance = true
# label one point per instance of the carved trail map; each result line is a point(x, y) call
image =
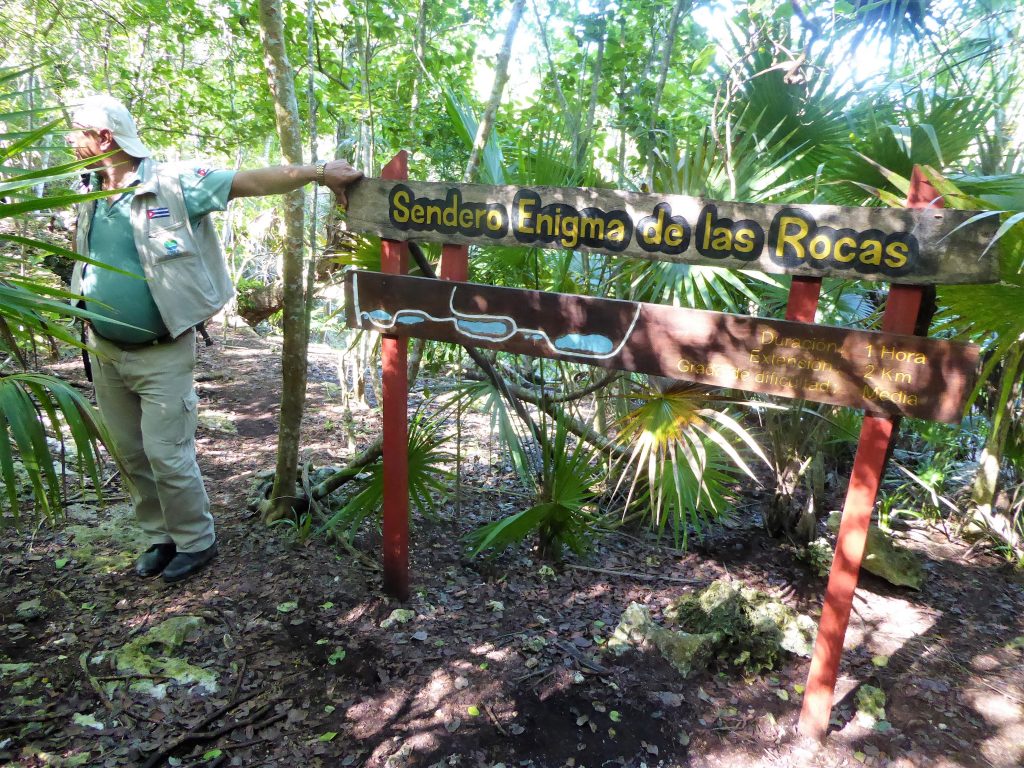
point(884, 374)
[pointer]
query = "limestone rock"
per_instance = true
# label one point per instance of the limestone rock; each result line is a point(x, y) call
point(684, 651)
point(152, 654)
point(634, 629)
point(753, 627)
point(15, 669)
point(740, 626)
point(30, 610)
point(398, 616)
point(886, 559)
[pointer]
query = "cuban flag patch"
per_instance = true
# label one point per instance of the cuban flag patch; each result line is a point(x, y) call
point(200, 172)
point(158, 213)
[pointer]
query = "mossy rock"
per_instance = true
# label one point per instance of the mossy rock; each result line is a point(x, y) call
point(817, 555)
point(30, 610)
point(684, 651)
point(108, 539)
point(151, 655)
point(753, 628)
point(885, 558)
point(398, 616)
point(870, 703)
point(217, 421)
point(15, 670)
point(740, 626)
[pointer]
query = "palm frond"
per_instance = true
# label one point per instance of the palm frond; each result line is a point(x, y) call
point(492, 163)
point(559, 517)
point(682, 462)
point(30, 406)
point(427, 478)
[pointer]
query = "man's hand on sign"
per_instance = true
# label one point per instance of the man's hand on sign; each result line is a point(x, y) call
point(338, 177)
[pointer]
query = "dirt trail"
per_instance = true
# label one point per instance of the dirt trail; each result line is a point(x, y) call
point(501, 662)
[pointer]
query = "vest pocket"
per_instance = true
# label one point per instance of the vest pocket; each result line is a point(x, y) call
point(170, 243)
point(184, 281)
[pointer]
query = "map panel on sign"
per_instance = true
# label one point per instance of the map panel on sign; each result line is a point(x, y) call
point(882, 373)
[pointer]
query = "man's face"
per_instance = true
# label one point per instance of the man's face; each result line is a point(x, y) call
point(89, 142)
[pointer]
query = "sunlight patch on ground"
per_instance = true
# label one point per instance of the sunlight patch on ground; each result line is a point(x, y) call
point(218, 421)
point(488, 651)
point(106, 539)
point(371, 716)
point(354, 616)
point(1004, 713)
point(886, 623)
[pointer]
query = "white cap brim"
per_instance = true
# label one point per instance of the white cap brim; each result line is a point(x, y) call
point(132, 145)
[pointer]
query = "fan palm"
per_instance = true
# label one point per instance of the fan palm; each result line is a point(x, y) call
point(427, 478)
point(563, 493)
point(682, 457)
point(869, 139)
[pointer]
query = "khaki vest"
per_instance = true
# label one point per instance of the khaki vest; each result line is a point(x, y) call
point(189, 284)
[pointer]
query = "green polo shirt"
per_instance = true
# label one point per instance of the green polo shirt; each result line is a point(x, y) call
point(128, 299)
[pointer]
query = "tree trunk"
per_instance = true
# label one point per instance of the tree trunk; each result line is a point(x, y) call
point(666, 60)
point(281, 79)
point(542, 25)
point(421, 52)
point(366, 132)
point(311, 269)
point(595, 81)
point(483, 131)
point(986, 482)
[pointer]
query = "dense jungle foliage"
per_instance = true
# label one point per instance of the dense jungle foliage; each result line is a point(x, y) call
point(824, 102)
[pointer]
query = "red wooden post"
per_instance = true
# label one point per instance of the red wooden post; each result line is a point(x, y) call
point(455, 263)
point(876, 435)
point(803, 299)
point(394, 258)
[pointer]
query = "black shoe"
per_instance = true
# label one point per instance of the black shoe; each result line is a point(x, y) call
point(153, 561)
point(185, 564)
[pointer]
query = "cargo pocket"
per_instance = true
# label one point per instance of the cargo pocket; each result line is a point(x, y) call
point(174, 424)
point(190, 417)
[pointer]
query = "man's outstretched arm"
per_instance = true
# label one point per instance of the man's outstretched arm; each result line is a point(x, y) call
point(277, 180)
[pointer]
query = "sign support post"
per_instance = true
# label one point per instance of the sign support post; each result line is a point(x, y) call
point(803, 299)
point(394, 350)
point(902, 309)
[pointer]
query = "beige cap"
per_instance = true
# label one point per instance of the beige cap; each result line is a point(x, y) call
point(104, 111)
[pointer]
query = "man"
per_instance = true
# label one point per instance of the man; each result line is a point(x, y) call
point(159, 230)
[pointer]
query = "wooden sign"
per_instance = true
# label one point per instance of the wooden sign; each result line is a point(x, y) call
point(920, 246)
point(882, 373)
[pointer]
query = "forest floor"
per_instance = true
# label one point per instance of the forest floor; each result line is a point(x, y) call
point(501, 664)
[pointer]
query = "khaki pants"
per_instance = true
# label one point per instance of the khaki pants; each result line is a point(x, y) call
point(147, 399)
